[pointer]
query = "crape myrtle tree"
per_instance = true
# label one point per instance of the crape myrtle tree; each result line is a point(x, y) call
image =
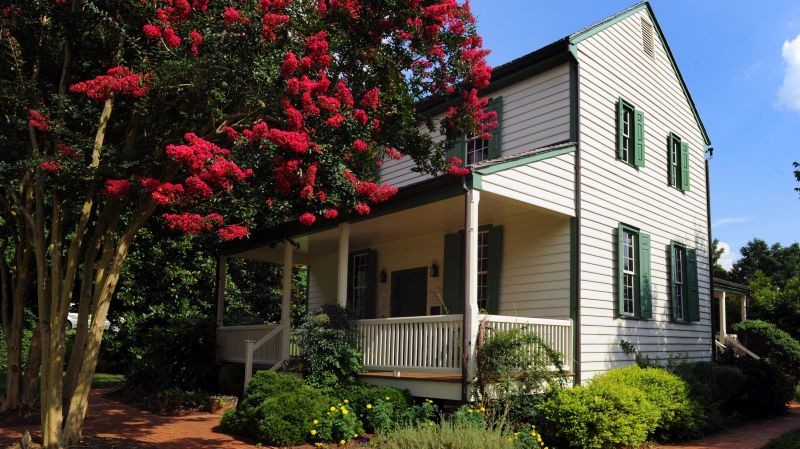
point(210, 116)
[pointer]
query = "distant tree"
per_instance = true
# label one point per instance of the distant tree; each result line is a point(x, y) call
point(780, 306)
point(780, 263)
point(797, 174)
point(716, 254)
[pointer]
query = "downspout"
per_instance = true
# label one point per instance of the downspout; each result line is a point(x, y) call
point(577, 250)
point(465, 355)
point(710, 152)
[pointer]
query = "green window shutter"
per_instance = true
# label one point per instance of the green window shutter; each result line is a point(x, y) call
point(685, 166)
point(495, 268)
point(693, 293)
point(620, 265)
point(620, 122)
point(457, 149)
point(645, 289)
point(638, 134)
point(372, 283)
point(671, 280)
point(453, 273)
point(496, 143)
point(670, 172)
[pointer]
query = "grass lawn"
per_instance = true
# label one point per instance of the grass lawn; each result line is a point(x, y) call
point(100, 380)
point(790, 440)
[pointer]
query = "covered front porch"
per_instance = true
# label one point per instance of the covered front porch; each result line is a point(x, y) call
point(422, 275)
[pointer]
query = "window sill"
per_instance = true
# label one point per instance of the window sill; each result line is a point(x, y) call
point(633, 317)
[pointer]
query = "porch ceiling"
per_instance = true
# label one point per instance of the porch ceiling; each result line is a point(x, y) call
point(439, 217)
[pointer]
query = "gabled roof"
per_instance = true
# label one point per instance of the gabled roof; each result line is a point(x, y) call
point(559, 52)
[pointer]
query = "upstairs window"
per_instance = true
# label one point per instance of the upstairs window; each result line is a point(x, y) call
point(630, 134)
point(678, 160)
point(473, 148)
point(633, 273)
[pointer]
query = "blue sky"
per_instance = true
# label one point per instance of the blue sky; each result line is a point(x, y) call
point(741, 61)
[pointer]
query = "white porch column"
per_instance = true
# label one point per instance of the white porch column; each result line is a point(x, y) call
point(286, 302)
point(344, 251)
point(222, 262)
point(722, 324)
point(744, 307)
point(471, 311)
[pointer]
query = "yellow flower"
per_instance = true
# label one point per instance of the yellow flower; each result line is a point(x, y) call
point(313, 431)
point(355, 435)
point(346, 401)
point(430, 423)
point(342, 442)
point(369, 406)
point(344, 411)
point(483, 409)
point(533, 434)
point(387, 398)
point(333, 409)
point(316, 421)
point(469, 411)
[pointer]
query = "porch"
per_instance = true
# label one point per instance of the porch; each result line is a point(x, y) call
point(422, 273)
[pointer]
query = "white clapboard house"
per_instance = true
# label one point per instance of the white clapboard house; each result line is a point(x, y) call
point(585, 219)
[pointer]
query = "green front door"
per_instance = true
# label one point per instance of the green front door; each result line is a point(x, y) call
point(410, 292)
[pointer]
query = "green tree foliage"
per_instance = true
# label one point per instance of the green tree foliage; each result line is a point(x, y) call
point(780, 263)
point(716, 254)
point(777, 305)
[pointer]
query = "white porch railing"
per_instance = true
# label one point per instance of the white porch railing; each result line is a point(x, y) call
point(421, 343)
point(556, 333)
point(433, 343)
point(232, 344)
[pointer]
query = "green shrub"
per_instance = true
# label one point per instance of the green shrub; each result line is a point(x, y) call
point(598, 416)
point(714, 386)
point(470, 417)
point(329, 355)
point(339, 424)
point(515, 372)
point(179, 354)
point(681, 416)
point(277, 409)
point(379, 407)
point(766, 389)
point(767, 340)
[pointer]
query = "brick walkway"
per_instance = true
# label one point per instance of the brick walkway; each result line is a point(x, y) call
point(750, 436)
point(112, 419)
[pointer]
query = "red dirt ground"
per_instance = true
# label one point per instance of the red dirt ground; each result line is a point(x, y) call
point(112, 424)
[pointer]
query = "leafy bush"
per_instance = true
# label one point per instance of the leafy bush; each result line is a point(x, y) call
point(681, 416)
point(276, 409)
point(470, 417)
point(338, 425)
point(180, 354)
point(516, 372)
point(379, 407)
point(767, 340)
point(766, 389)
point(714, 386)
point(329, 355)
point(171, 401)
point(599, 416)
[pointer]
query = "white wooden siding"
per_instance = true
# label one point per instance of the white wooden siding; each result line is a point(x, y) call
point(536, 113)
point(534, 281)
point(549, 183)
point(611, 65)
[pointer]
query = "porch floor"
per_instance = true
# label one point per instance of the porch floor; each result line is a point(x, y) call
point(415, 375)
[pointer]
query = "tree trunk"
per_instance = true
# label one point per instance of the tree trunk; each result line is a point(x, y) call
point(31, 374)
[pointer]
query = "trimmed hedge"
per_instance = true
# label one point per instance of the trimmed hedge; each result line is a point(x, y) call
point(277, 409)
point(602, 415)
point(682, 417)
point(715, 387)
point(767, 340)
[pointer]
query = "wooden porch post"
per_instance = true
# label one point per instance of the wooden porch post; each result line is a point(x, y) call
point(222, 262)
point(286, 303)
point(471, 310)
point(722, 324)
point(344, 251)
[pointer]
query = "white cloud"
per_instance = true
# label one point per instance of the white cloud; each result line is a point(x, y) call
point(726, 259)
point(789, 93)
point(728, 221)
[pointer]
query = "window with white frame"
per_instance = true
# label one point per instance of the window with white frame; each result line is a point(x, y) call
point(477, 148)
point(627, 134)
point(629, 273)
point(679, 281)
